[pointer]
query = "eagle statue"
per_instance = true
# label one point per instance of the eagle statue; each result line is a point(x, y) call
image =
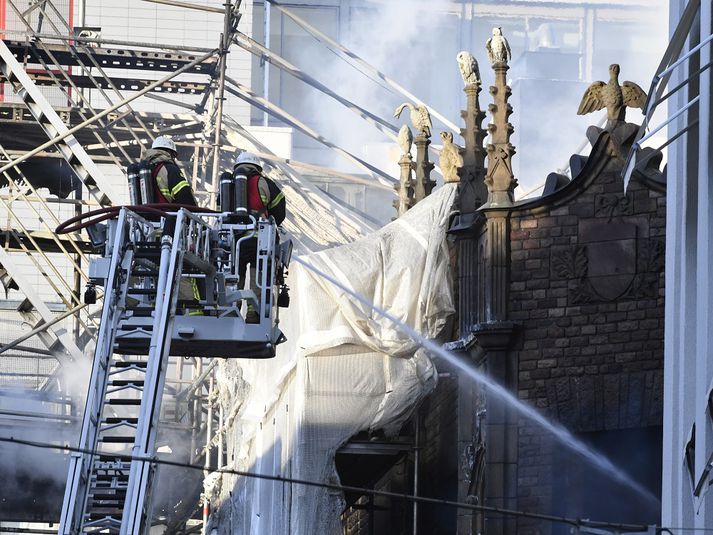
point(498, 47)
point(405, 139)
point(451, 158)
point(420, 118)
point(468, 68)
point(612, 96)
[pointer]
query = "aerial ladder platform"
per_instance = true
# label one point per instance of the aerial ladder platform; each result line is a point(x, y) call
point(171, 288)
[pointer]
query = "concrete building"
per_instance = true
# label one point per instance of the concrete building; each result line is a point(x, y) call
point(688, 443)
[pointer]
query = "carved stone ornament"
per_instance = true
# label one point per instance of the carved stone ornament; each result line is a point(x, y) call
point(612, 96)
point(468, 66)
point(451, 158)
point(420, 117)
point(405, 139)
point(602, 270)
point(498, 47)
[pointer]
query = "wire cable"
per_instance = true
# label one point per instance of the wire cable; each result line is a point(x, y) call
point(331, 486)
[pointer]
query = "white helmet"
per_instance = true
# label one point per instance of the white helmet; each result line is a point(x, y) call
point(164, 142)
point(248, 158)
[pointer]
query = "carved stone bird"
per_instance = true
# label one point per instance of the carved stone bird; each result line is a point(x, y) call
point(450, 158)
point(612, 96)
point(420, 118)
point(405, 139)
point(498, 47)
point(468, 68)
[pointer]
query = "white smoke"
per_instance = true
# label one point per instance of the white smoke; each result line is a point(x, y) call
point(415, 43)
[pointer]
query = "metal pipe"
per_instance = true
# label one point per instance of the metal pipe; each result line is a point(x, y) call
point(104, 113)
point(684, 57)
point(667, 121)
point(117, 42)
point(376, 75)
point(207, 465)
point(416, 462)
point(247, 94)
point(82, 12)
point(266, 62)
point(29, 414)
point(327, 171)
point(197, 7)
point(226, 39)
point(255, 48)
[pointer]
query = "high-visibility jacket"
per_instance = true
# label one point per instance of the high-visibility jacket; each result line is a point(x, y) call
point(170, 186)
point(265, 197)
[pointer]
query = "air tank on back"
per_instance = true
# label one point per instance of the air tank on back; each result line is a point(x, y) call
point(146, 184)
point(132, 174)
point(240, 190)
point(227, 198)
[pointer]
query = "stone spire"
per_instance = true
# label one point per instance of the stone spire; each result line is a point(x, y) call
point(472, 192)
point(500, 180)
point(404, 189)
point(421, 120)
point(423, 185)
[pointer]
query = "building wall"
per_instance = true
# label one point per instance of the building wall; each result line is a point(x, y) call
point(688, 370)
point(587, 292)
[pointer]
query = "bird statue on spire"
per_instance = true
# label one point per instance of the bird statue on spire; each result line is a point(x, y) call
point(468, 68)
point(420, 117)
point(450, 159)
point(405, 139)
point(498, 47)
point(612, 96)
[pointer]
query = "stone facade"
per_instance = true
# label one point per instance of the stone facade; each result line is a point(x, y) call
point(587, 292)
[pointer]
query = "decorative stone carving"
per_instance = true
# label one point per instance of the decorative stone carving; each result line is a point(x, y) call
point(423, 184)
point(498, 48)
point(612, 96)
point(405, 139)
point(450, 159)
point(468, 68)
point(404, 189)
point(472, 192)
point(607, 270)
point(420, 117)
point(500, 180)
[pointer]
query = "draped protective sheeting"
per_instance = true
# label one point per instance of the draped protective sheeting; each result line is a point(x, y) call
point(344, 369)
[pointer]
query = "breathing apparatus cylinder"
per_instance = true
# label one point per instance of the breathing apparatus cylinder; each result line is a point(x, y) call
point(146, 184)
point(240, 189)
point(132, 174)
point(227, 198)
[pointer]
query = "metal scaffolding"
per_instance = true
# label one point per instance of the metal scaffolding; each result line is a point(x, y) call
point(49, 156)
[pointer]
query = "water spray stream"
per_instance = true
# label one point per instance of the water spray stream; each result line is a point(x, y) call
point(562, 434)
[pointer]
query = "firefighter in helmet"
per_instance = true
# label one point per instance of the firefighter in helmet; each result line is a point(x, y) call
point(265, 199)
point(170, 186)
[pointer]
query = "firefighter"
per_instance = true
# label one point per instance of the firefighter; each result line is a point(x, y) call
point(170, 186)
point(265, 199)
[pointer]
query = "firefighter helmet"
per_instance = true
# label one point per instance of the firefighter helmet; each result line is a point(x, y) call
point(248, 158)
point(164, 142)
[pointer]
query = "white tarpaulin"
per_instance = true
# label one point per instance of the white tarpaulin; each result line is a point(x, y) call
point(343, 370)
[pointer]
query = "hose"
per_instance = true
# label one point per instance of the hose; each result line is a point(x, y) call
point(82, 221)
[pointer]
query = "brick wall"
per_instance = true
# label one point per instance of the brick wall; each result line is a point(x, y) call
point(587, 289)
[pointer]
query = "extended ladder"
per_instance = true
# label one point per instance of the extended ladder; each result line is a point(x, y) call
point(145, 269)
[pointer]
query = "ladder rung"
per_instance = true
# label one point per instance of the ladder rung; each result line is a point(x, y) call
point(126, 382)
point(117, 440)
point(130, 363)
point(120, 419)
point(141, 291)
point(119, 401)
